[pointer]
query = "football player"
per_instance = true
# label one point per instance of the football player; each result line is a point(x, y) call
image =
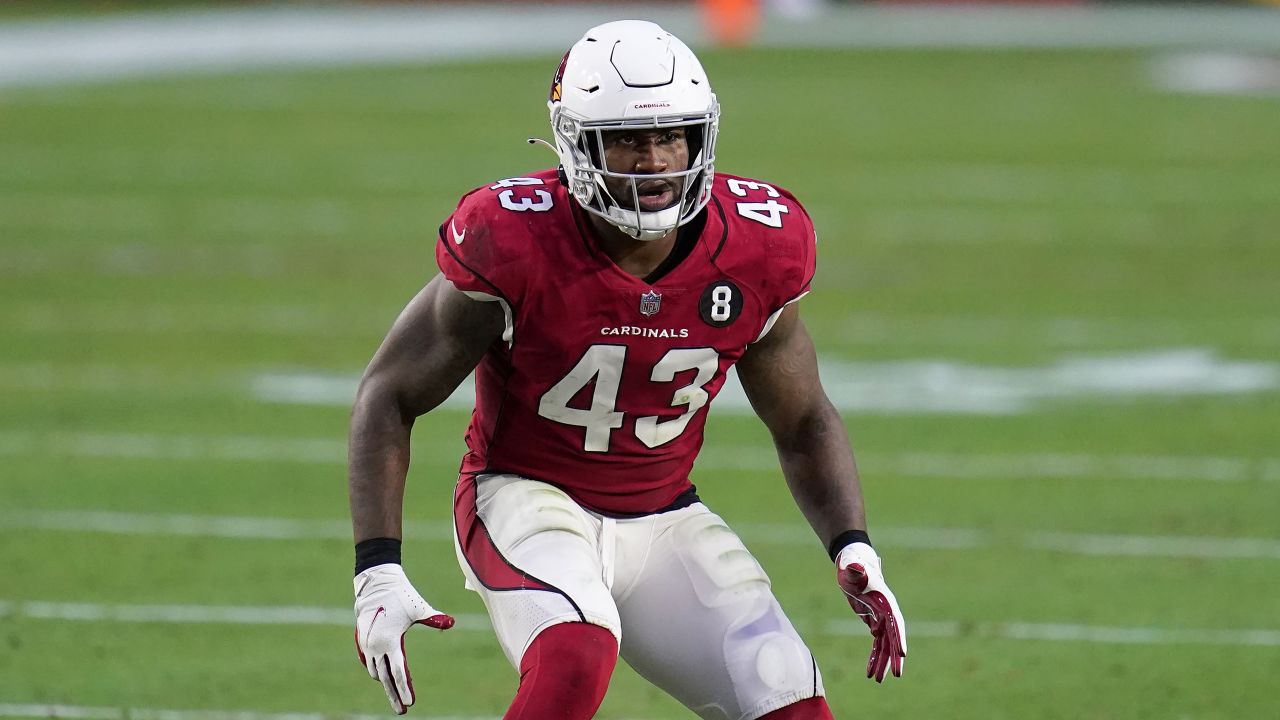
point(600, 305)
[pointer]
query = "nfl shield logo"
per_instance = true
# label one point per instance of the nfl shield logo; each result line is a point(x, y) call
point(650, 303)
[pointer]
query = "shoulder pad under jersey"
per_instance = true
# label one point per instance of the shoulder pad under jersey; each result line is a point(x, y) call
point(484, 245)
point(770, 238)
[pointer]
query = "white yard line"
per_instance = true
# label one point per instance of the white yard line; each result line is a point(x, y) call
point(1157, 546)
point(1061, 331)
point(1066, 466)
point(70, 712)
point(213, 526)
point(88, 712)
point(175, 447)
point(1087, 544)
point(74, 318)
point(955, 466)
point(183, 614)
point(1217, 73)
point(916, 538)
point(303, 615)
point(1021, 466)
point(1069, 632)
point(926, 385)
point(764, 534)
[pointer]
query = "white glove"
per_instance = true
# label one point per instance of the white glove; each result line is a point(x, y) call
point(859, 576)
point(386, 607)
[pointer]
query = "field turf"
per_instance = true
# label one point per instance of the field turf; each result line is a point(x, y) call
point(164, 242)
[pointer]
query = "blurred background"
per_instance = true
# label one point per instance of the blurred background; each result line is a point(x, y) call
point(1046, 305)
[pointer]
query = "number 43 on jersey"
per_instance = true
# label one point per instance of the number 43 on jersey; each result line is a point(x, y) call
point(602, 364)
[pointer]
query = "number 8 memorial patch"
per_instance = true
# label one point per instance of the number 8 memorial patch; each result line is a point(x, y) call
point(721, 303)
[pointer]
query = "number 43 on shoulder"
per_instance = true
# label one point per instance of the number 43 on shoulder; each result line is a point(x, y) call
point(769, 212)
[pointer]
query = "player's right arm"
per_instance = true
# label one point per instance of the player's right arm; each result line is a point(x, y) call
point(436, 342)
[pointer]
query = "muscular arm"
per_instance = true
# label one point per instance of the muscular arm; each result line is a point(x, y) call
point(432, 347)
point(780, 375)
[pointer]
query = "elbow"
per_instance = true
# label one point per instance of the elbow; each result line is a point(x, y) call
point(369, 392)
point(377, 396)
point(808, 427)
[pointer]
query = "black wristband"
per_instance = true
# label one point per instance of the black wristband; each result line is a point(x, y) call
point(376, 551)
point(844, 538)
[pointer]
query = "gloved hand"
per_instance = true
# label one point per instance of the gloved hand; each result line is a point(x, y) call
point(386, 607)
point(859, 576)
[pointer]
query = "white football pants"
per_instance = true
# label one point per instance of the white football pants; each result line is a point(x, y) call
point(691, 608)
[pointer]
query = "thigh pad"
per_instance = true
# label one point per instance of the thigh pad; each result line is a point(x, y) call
point(517, 510)
point(720, 567)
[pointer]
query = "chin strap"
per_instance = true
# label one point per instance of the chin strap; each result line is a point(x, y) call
point(645, 235)
point(536, 141)
point(631, 222)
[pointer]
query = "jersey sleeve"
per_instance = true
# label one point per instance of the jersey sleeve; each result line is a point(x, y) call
point(795, 254)
point(790, 254)
point(477, 253)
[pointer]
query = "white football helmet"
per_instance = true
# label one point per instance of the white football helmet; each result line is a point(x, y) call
point(632, 74)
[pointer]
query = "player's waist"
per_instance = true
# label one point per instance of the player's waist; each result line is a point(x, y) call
point(610, 500)
point(686, 498)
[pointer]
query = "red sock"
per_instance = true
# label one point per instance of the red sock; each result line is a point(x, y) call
point(815, 708)
point(564, 673)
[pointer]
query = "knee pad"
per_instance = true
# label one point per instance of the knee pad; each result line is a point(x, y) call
point(768, 661)
point(778, 661)
point(765, 657)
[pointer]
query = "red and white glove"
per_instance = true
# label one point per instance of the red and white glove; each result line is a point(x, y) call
point(859, 576)
point(386, 607)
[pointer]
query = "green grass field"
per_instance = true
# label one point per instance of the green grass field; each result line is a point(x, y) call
point(163, 242)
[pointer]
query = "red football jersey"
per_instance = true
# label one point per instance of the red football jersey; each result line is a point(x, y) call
point(603, 384)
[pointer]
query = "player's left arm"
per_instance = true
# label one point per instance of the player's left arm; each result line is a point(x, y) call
point(780, 376)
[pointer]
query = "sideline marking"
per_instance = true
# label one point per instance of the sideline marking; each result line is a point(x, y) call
point(293, 615)
point(904, 538)
point(50, 51)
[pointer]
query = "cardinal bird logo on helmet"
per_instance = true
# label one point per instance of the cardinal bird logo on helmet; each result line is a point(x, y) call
point(558, 80)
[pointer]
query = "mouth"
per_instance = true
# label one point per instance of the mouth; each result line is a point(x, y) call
point(655, 195)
